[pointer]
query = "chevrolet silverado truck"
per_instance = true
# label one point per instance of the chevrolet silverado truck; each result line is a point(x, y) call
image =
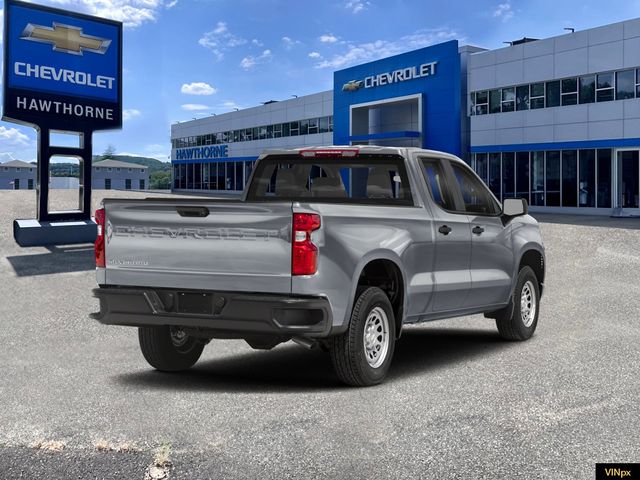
point(331, 247)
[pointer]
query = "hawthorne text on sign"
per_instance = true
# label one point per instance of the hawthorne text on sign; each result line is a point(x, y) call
point(202, 153)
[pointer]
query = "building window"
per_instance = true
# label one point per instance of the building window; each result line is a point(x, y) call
point(638, 83)
point(323, 125)
point(30, 184)
point(97, 169)
point(552, 178)
point(141, 184)
point(6, 169)
point(537, 96)
point(107, 184)
point(18, 169)
point(604, 178)
point(587, 178)
point(508, 99)
point(313, 126)
point(605, 87)
point(495, 98)
point(588, 89)
point(31, 170)
point(142, 170)
point(16, 184)
point(569, 91)
point(522, 176)
point(481, 102)
point(495, 173)
point(569, 175)
point(625, 84)
point(109, 169)
point(304, 127)
point(117, 169)
point(295, 128)
point(130, 170)
point(277, 130)
point(537, 178)
point(481, 166)
point(127, 184)
point(522, 97)
point(508, 175)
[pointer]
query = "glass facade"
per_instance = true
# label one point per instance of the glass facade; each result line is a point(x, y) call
point(222, 176)
point(308, 126)
point(552, 178)
point(601, 87)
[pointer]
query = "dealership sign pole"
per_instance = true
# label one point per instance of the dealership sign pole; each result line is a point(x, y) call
point(62, 73)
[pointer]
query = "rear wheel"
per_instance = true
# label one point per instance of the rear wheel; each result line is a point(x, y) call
point(519, 319)
point(169, 349)
point(362, 355)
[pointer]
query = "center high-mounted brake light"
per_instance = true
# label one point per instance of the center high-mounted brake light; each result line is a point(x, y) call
point(347, 152)
point(304, 254)
point(99, 245)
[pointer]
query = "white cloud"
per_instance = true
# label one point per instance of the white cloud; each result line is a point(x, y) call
point(365, 52)
point(13, 137)
point(220, 39)
point(132, 13)
point(356, 6)
point(328, 38)
point(129, 113)
point(314, 55)
point(250, 61)
point(504, 12)
point(257, 42)
point(194, 107)
point(198, 88)
point(171, 4)
point(289, 42)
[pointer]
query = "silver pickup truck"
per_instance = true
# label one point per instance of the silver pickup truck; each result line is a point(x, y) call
point(334, 247)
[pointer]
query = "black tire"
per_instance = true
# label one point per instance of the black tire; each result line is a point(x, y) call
point(165, 353)
point(509, 320)
point(348, 349)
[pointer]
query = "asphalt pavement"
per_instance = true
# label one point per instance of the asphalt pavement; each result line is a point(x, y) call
point(77, 400)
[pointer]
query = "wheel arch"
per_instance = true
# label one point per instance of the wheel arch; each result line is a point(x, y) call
point(382, 269)
point(533, 257)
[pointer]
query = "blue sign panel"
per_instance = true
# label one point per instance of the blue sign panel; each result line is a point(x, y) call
point(431, 74)
point(61, 68)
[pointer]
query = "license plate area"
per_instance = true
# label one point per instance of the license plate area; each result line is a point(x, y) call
point(195, 303)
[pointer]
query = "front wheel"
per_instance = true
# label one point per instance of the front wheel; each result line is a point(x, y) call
point(362, 355)
point(519, 319)
point(169, 349)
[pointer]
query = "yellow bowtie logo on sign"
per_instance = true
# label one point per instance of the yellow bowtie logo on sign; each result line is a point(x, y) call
point(65, 38)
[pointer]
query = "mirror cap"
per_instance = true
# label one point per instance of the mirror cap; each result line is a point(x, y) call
point(514, 207)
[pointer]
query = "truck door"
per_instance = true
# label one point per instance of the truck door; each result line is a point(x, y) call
point(491, 245)
point(452, 278)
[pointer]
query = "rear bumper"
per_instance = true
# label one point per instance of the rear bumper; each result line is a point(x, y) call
point(224, 313)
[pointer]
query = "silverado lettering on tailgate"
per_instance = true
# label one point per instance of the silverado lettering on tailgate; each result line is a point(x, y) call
point(193, 232)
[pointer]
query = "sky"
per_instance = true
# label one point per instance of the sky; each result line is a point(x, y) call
point(186, 59)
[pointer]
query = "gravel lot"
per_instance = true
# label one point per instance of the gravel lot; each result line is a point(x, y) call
point(459, 402)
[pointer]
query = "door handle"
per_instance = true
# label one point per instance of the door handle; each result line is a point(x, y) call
point(445, 230)
point(477, 230)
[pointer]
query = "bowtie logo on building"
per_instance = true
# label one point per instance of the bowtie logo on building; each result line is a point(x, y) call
point(352, 86)
point(66, 38)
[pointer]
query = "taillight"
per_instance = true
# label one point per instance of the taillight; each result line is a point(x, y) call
point(330, 152)
point(304, 258)
point(99, 246)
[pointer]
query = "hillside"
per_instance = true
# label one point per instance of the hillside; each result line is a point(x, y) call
point(154, 164)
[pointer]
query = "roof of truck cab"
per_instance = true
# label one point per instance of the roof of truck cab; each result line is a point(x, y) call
point(364, 149)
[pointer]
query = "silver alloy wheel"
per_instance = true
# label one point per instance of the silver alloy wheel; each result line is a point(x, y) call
point(528, 303)
point(376, 337)
point(178, 337)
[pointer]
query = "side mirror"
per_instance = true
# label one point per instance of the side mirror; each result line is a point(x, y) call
point(514, 207)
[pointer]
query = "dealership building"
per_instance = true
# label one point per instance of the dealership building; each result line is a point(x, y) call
point(555, 121)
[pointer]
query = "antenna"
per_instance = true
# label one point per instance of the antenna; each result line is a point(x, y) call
point(570, 29)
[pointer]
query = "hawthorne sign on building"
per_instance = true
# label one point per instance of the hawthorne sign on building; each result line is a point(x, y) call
point(62, 72)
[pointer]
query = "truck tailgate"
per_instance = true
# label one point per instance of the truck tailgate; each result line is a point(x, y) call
point(212, 245)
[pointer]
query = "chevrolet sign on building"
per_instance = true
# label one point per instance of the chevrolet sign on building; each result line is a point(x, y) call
point(61, 66)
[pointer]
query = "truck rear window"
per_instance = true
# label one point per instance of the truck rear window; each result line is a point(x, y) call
point(370, 179)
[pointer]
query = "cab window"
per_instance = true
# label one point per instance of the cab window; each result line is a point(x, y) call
point(475, 194)
point(436, 181)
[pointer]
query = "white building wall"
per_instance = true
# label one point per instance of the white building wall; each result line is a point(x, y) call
point(301, 108)
point(602, 49)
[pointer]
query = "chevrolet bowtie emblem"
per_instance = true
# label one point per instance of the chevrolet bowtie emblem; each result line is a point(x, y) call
point(352, 86)
point(65, 38)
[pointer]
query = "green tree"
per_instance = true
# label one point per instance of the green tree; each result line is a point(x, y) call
point(109, 152)
point(160, 180)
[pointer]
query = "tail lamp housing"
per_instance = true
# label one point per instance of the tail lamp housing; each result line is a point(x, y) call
point(304, 254)
point(99, 245)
